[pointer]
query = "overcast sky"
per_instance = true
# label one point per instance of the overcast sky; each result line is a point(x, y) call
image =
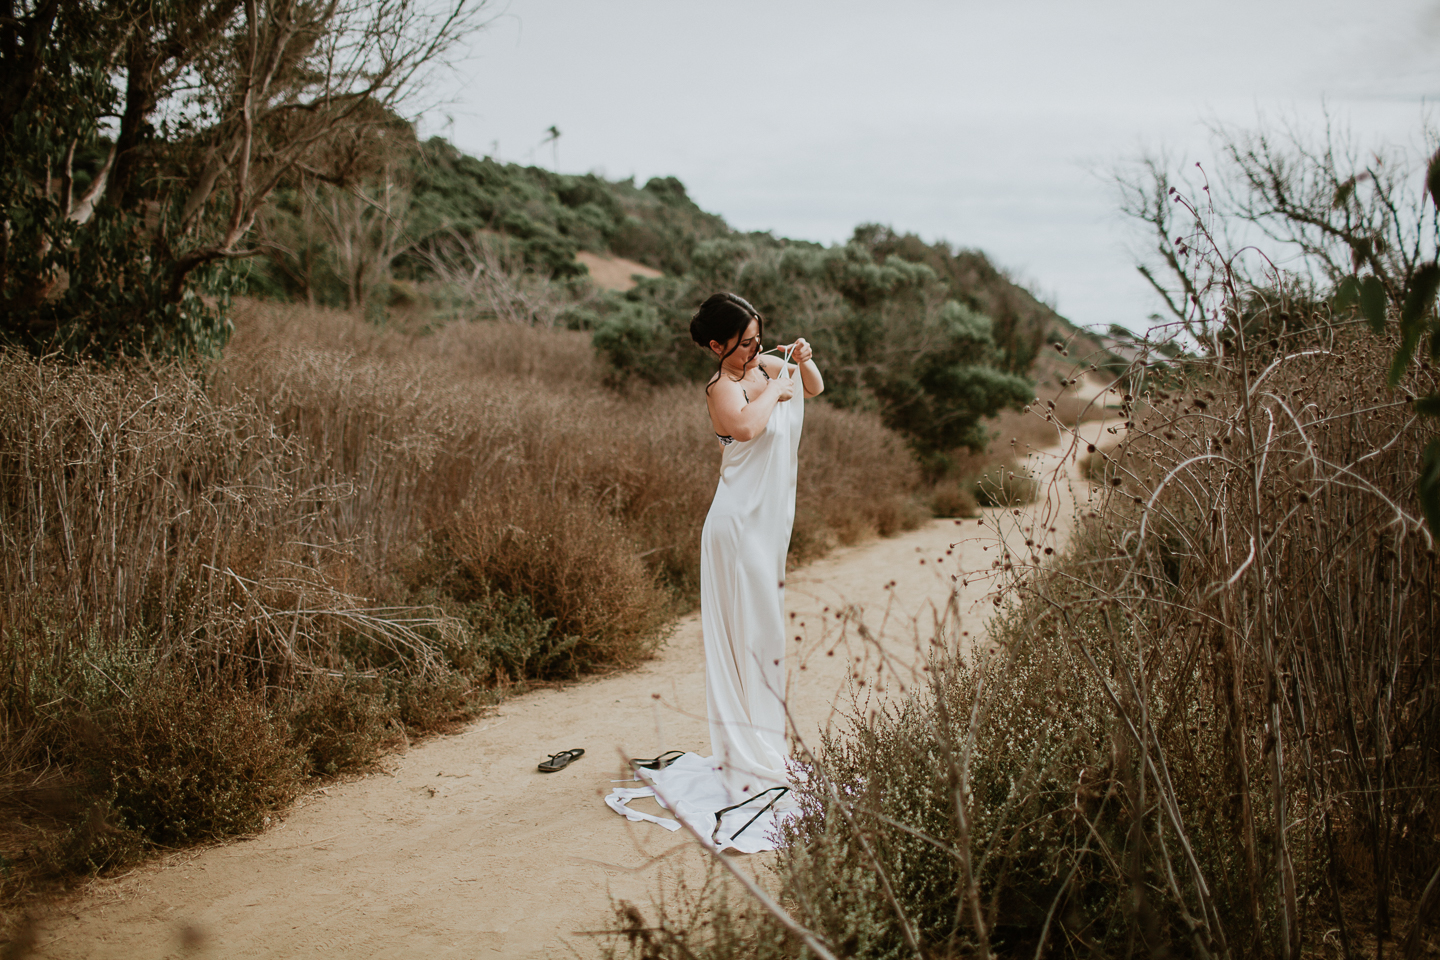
point(989, 125)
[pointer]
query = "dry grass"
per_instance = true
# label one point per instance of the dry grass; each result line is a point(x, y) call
point(335, 532)
point(845, 456)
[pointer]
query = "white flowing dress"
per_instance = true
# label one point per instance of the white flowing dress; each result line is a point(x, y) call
point(742, 616)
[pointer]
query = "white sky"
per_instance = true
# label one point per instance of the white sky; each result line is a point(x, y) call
point(986, 124)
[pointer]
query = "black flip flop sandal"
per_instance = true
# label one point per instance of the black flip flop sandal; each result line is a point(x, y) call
point(660, 762)
point(561, 760)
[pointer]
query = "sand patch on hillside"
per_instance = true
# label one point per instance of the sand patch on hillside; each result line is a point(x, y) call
point(614, 273)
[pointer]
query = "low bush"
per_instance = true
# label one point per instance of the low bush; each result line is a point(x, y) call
point(341, 722)
point(953, 500)
point(846, 457)
point(574, 564)
point(153, 752)
point(184, 758)
point(513, 642)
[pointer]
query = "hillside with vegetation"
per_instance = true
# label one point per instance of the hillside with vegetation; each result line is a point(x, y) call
point(935, 339)
point(308, 453)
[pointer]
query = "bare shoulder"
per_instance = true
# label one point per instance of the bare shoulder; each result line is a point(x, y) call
point(722, 389)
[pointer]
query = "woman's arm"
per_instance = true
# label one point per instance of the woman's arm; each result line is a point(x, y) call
point(733, 416)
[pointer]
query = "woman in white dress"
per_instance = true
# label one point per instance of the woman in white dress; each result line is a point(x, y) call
point(757, 410)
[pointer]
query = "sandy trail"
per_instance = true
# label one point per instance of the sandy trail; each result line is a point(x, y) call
point(459, 847)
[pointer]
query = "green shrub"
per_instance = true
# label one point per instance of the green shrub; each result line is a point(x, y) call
point(576, 568)
point(429, 703)
point(341, 722)
point(515, 643)
point(628, 338)
point(186, 758)
point(101, 840)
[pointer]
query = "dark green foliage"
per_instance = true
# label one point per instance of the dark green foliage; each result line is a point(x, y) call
point(435, 702)
point(1372, 302)
point(457, 192)
point(1419, 306)
point(662, 225)
point(118, 303)
point(553, 215)
point(1427, 487)
point(939, 398)
point(1020, 323)
point(630, 337)
point(545, 218)
point(97, 842)
point(513, 641)
point(1368, 294)
point(105, 284)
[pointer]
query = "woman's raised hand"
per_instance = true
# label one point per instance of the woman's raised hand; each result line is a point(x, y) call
point(802, 352)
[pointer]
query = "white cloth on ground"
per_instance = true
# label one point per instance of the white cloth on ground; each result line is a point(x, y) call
point(693, 789)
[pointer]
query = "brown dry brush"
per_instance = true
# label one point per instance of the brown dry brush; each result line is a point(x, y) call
point(1210, 728)
point(1277, 552)
point(215, 582)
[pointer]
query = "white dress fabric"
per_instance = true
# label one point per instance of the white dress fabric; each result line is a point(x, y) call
point(742, 617)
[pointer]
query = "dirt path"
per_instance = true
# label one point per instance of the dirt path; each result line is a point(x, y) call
point(460, 848)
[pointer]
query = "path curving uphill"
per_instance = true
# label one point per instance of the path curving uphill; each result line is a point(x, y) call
point(459, 847)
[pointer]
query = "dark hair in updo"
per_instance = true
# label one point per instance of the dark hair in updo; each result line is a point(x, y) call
point(722, 316)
